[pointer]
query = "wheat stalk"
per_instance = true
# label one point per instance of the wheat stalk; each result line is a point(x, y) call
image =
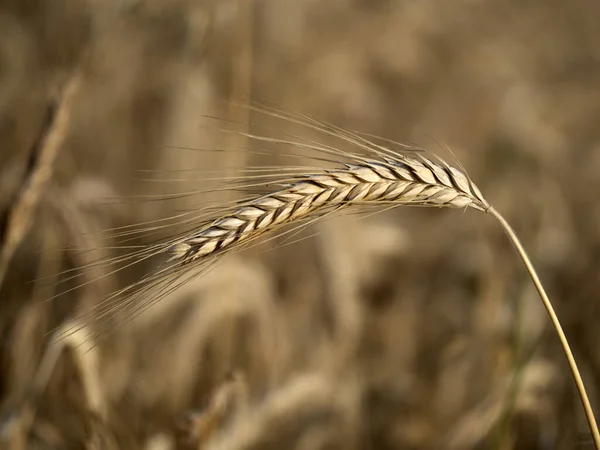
point(18, 217)
point(294, 197)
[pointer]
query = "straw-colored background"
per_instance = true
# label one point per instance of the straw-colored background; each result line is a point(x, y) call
point(404, 330)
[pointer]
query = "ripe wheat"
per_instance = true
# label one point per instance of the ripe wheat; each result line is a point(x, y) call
point(383, 178)
point(402, 181)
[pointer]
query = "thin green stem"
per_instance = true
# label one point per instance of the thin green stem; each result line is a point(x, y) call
point(589, 413)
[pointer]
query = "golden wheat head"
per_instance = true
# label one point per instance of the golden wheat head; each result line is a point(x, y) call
point(404, 180)
point(378, 177)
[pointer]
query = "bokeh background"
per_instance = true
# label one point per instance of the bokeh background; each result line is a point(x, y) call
point(409, 329)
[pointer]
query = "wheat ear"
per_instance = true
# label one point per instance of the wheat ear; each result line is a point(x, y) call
point(415, 180)
point(386, 178)
point(402, 181)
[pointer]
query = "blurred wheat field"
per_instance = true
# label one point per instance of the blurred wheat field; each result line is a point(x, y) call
point(408, 329)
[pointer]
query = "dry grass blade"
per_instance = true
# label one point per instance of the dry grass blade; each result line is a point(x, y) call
point(16, 220)
point(313, 400)
point(228, 398)
point(22, 420)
